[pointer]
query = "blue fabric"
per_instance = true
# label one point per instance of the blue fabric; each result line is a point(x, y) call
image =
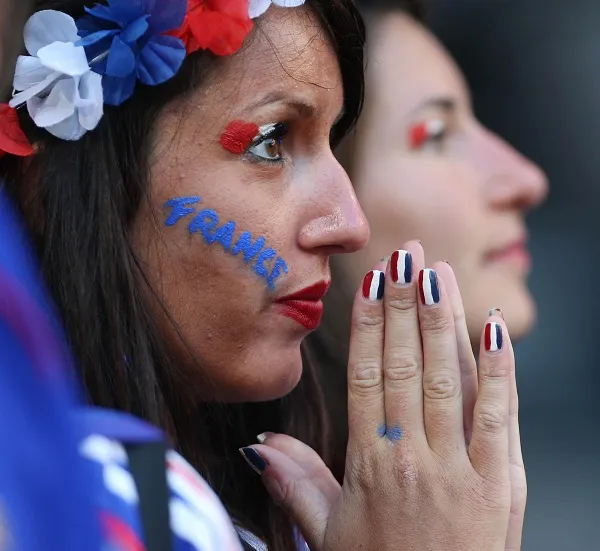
point(45, 498)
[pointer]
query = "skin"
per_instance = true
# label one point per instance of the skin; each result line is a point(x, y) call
point(222, 314)
point(465, 196)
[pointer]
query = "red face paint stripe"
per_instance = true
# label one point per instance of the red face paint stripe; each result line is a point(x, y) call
point(366, 288)
point(421, 292)
point(394, 266)
point(238, 136)
point(418, 135)
point(488, 336)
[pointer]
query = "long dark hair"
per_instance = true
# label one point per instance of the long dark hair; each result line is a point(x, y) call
point(79, 199)
point(328, 347)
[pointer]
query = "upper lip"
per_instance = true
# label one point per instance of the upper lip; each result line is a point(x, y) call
point(314, 292)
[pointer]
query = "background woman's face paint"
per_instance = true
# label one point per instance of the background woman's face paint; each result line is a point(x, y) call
point(263, 261)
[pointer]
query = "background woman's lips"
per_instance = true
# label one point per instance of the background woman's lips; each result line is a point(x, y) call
point(515, 253)
point(305, 306)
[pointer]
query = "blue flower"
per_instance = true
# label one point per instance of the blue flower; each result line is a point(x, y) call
point(124, 42)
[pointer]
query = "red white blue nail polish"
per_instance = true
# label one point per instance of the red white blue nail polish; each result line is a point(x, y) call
point(428, 287)
point(401, 267)
point(373, 285)
point(493, 337)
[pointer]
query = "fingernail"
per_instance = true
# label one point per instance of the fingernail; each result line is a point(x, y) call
point(256, 462)
point(493, 337)
point(401, 267)
point(428, 287)
point(373, 284)
point(496, 312)
point(263, 436)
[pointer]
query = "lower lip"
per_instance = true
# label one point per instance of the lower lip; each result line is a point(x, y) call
point(517, 254)
point(307, 313)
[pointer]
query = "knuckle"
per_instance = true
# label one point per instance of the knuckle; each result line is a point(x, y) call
point(441, 385)
point(401, 365)
point(405, 303)
point(436, 323)
point(495, 372)
point(365, 376)
point(491, 419)
point(368, 322)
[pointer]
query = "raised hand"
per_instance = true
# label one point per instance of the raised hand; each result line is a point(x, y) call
point(414, 481)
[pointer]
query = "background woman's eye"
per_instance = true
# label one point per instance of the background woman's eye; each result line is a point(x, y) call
point(431, 131)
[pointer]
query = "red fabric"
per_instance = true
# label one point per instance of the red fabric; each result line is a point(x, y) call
point(12, 138)
point(220, 26)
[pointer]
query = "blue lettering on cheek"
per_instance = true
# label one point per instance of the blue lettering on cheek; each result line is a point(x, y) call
point(179, 209)
point(245, 245)
point(204, 222)
point(279, 269)
point(259, 266)
point(224, 235)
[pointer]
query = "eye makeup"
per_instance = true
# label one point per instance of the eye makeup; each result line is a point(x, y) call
point(421, 133)
point(261, 143)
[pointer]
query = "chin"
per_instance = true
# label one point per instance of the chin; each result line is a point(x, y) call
point(267, 374)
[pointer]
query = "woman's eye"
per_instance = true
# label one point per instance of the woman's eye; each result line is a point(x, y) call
point(432, 131)
point(268, 145)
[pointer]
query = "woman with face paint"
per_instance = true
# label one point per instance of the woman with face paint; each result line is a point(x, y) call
point(423, 166)
point(174, 163)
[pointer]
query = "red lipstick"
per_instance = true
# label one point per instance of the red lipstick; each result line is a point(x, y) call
point(305, 306)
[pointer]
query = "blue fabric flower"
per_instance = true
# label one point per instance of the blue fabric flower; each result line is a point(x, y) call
point(124, 42)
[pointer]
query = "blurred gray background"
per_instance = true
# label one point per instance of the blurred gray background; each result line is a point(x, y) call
point(534, 68)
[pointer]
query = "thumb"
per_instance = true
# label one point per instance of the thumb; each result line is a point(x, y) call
point(295, 489)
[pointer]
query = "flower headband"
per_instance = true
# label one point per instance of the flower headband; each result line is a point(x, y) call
point(75, 67)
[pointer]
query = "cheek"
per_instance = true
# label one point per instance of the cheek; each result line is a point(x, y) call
point(422, 199)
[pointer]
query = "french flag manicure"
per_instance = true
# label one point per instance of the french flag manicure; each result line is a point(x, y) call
point(428, 287)
point(373, 284)
point(493, 337)
point(401, 267)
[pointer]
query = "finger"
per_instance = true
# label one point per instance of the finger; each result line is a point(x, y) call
point(518, 479)
point(442, 404)
point(293, 489)
point(466, 359)
point(403, 352)
point(366, 412)
point(307, 458)
point(489, 444)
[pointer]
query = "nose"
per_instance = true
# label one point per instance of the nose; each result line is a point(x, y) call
point(336, 223)
point(515, 182)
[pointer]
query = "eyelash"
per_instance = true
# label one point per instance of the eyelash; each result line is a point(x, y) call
point(277, 134)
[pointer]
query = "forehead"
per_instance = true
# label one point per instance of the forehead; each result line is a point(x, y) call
point(288, 56)
point(407, 65)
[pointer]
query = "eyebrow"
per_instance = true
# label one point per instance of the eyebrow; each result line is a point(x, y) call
point(304, 108)
point(445, 103)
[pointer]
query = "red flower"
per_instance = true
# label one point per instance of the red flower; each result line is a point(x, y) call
point(12, 139)
point(220, 26)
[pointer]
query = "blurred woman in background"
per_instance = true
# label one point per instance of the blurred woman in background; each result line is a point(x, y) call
point(424, 167)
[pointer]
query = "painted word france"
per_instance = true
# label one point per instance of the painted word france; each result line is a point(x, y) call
point(206, 222)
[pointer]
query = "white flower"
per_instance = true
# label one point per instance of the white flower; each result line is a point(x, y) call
point(258, 7)
point(62, 94)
